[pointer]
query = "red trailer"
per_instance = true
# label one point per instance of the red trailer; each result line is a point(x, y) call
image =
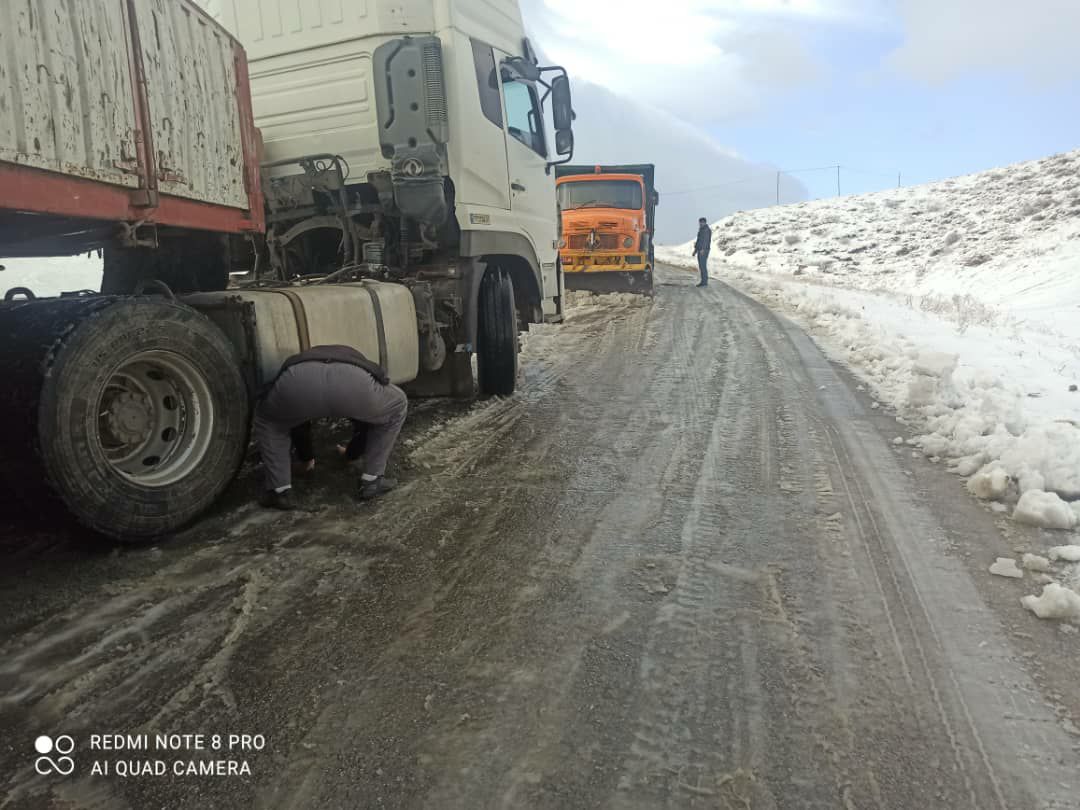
point(128, 125)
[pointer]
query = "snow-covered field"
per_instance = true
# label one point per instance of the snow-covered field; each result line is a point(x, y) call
point(46, 277)
point(958, 304)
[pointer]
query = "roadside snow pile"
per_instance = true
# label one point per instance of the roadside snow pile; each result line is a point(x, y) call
point(959, 304)
point(1055, 602)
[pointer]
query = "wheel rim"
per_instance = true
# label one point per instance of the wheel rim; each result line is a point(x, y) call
point(155, 418)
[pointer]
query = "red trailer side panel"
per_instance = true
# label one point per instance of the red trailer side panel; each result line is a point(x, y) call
point(123, 111)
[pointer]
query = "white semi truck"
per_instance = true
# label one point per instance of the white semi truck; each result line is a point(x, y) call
point(373, 174)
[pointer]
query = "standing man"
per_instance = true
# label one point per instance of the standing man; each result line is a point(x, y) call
point(335, 382)
point(701, 249)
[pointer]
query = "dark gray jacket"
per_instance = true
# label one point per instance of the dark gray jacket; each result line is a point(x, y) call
point(704, 240)
point(332, 354)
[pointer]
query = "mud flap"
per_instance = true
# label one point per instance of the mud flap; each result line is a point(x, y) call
point(454, 379)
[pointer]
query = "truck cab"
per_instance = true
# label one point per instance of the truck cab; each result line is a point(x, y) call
point(608, 222)
point(409, 139)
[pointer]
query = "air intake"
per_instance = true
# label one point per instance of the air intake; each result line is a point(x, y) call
point(438, 118)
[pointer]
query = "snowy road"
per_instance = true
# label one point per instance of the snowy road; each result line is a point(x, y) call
point(684, 567)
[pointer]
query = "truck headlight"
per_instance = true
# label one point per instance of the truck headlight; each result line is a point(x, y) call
point(628, 242)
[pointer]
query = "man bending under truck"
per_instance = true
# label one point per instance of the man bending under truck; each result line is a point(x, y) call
point(334, 382)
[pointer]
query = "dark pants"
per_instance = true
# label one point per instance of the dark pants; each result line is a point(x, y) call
point(703, 264)
point(327, 390)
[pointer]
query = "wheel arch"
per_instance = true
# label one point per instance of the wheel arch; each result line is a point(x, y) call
point(515, 254)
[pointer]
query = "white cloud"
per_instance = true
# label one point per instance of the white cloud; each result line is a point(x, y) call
point(704, 60)
point(720, 181)
point(946, 39)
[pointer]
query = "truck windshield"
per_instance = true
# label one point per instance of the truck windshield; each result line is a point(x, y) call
point(601, 194)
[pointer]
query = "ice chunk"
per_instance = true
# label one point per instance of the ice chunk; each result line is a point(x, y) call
point(922, 391)
point(1055, 602)
point(1029, 480)
point(1006, 567)
point(1065, 553)
point(1044, 509)
point(934, 445)
point(990, 484)
point(968, 465)
point(935, 364)
point(1034, 562)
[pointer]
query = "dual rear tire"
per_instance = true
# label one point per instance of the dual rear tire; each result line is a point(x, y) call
point(139, 413)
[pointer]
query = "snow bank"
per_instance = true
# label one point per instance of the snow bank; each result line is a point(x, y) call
point(956, 302)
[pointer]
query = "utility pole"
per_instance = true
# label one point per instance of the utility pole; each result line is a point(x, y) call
point(837, 181)
point(898, 179)
point(778, 188)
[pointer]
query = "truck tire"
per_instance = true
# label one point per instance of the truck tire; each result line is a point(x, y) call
point(142, 420)
point(497, 335)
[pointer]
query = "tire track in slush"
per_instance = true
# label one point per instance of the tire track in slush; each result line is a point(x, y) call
point(595, 560)
point(675, 753)
point(754, 442)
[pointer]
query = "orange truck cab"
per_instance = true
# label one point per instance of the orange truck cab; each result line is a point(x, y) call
point(608, 221)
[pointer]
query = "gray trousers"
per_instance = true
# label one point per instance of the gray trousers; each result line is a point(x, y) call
point(326, 391)
point(703, 266)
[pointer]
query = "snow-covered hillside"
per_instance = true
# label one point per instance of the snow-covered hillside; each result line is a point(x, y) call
point(957, 302)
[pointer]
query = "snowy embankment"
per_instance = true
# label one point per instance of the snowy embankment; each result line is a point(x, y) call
point(958, 303)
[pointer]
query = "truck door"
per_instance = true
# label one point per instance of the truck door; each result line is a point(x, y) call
point(480, 155)
point(532, 189)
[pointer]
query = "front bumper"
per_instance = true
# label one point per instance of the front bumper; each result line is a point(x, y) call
point(598, 262)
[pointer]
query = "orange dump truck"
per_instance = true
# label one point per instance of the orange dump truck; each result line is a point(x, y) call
point(608, 221)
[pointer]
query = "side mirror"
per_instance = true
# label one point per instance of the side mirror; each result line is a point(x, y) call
point(564, 142)
point(562, 105)
point(656, 198)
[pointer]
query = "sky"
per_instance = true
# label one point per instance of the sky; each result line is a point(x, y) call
point(915, 90)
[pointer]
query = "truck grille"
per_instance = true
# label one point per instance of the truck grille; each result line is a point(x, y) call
point(606, 241)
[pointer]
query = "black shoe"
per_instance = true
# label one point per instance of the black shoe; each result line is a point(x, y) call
point(282, 501)
point(373, 489)
point(703, 285)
